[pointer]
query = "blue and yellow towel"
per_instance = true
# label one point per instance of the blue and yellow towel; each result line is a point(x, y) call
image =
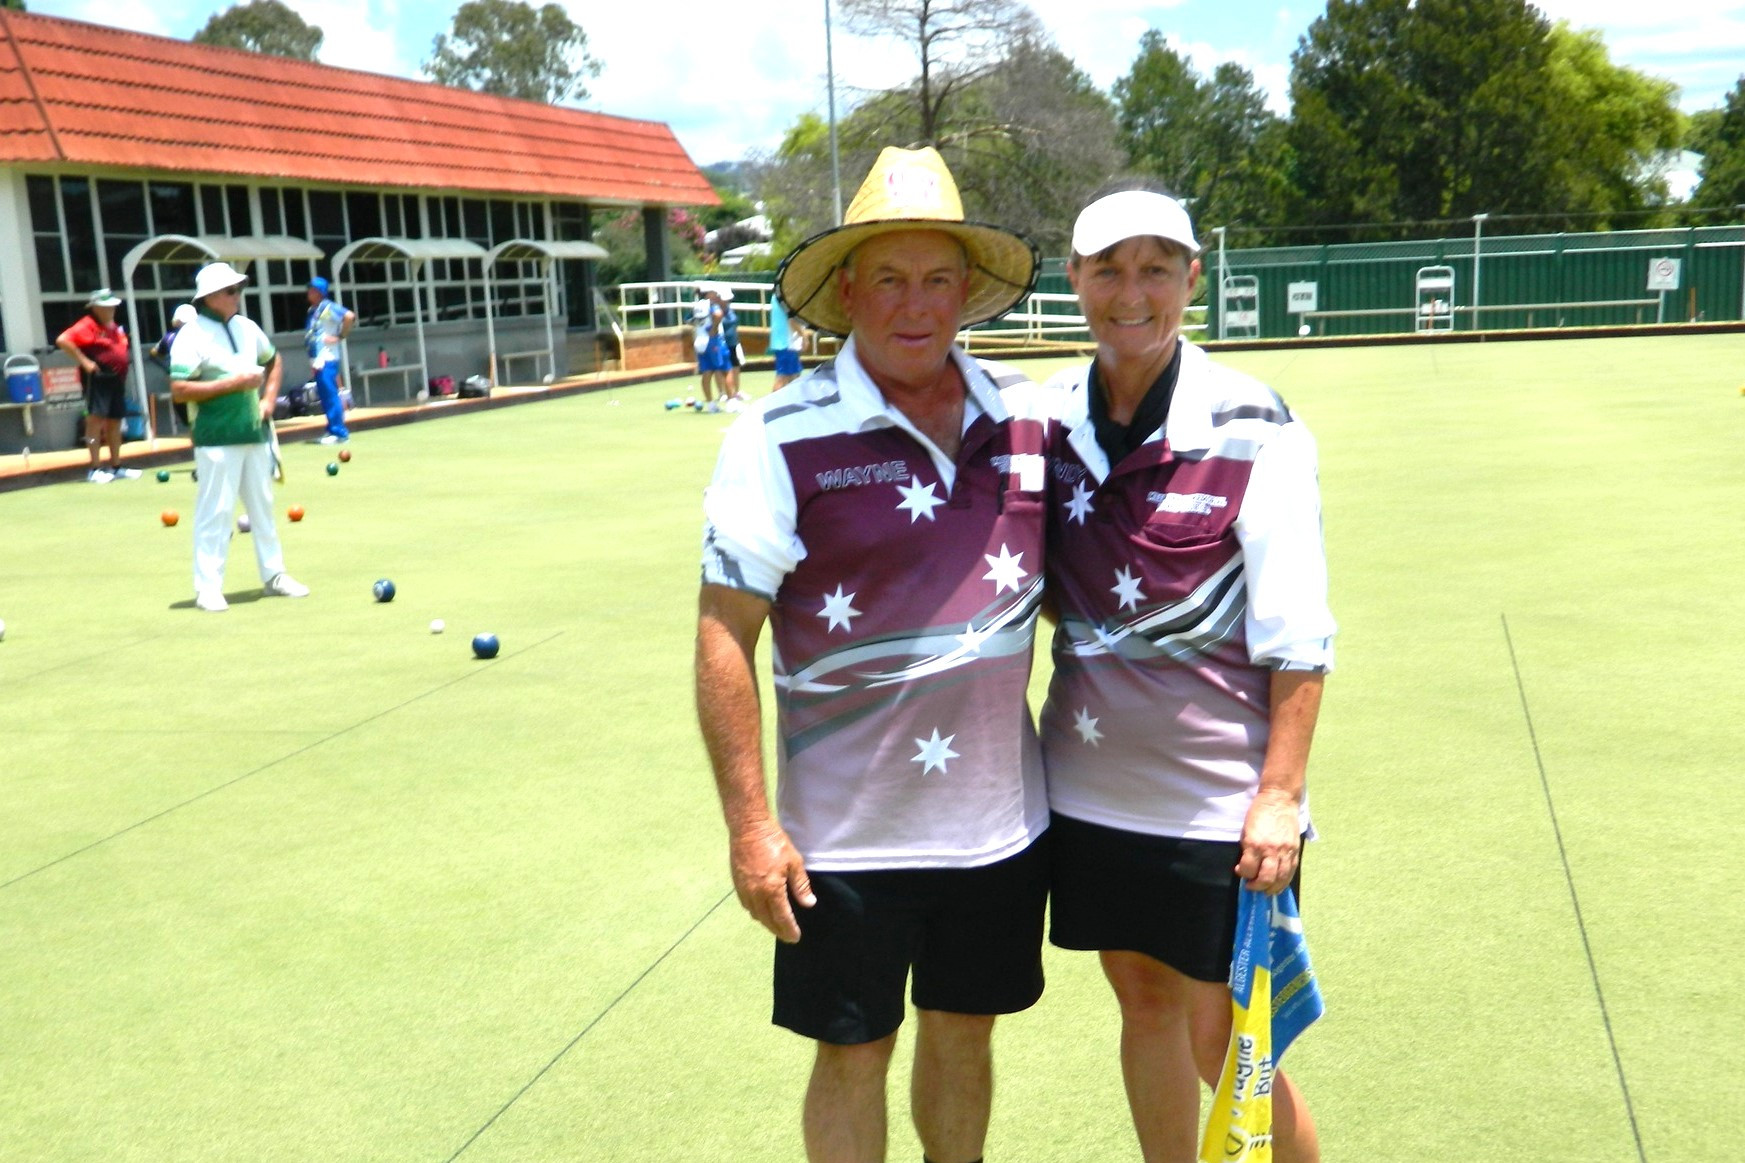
point(1273, 998)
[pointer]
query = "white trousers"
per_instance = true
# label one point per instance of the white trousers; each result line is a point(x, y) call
point(228, 471)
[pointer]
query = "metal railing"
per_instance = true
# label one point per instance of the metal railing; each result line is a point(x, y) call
point(1042, 316)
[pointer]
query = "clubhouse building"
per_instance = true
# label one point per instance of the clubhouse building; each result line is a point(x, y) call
point(458, 225)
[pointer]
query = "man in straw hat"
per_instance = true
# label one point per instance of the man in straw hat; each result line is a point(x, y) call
point(221, 362)
point(884, 516)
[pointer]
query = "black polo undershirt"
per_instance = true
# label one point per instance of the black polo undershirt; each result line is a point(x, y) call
point(1118, 441)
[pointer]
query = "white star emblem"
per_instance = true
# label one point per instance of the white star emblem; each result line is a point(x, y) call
point(1004, 571)
point(1086, 726)
point(1078, 507)
point(934, 752)
point(919, 500)
point(1126, 588)
point(971, 639)
point(837, 608)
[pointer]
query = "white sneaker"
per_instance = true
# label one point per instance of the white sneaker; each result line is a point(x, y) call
point(284, 585)
point(713, 406)
point(125, 474)
point(211, 603)
point(99, 476)
point(330, 438)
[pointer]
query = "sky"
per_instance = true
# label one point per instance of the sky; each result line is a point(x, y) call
point(736, 90)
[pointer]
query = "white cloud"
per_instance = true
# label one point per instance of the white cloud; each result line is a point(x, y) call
point(369, 36)
point(136, 15)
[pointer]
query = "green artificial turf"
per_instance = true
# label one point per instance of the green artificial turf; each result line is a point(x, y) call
point(303, 881)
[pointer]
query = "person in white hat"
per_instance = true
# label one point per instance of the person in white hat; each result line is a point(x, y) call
point(160, 351)
point(711, 349)
point(884, 516)
point(224, 365)
point(1185, 555)
point(731, 400)
point(98, 344)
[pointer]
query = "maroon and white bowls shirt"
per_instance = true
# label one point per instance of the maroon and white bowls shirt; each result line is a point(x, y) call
point(904, 588)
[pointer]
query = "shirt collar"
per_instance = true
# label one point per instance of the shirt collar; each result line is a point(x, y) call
point(859, 392)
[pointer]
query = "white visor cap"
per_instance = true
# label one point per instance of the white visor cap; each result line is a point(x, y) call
point(1131, 214)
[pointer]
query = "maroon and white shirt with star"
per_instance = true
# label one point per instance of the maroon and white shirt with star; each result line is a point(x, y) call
point(1184, 575)
point(904, 588)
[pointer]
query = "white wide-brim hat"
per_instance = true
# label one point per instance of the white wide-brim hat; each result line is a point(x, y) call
point(216, 276)
point(1132, 214)
point(907, 189)
point(103, 297)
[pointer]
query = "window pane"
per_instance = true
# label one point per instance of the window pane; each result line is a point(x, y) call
point(392, 224)
point(502, 220)
point(122, 205)
point(45, 215)
point(115, 248)
point(172, 208)
point(212, 212)
point(328, 213)
point(241, 221)
point(87, 274)
point(414, 225)
point(57, 317)
point(477, 227)
point(50, 266)
point(272, 222)
point(288, 314)
point(366, 215)
point(295, 224)
point(370, 306)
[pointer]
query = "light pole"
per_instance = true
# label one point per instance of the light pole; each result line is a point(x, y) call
point(1219, 231)
point(1477, 256)
point(1740, 207)
point(830, 85)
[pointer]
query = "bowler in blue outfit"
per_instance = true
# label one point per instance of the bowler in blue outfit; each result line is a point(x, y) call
point(328, 323)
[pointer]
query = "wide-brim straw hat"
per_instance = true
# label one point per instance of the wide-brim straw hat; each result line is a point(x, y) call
point(907, 189)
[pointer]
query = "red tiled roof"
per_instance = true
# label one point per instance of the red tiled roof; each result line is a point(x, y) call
point(89, 95)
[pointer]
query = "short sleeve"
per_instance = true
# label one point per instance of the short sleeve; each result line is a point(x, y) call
point(264, 349)
point(1289, 624)
point(187, 359)
point(750, 540)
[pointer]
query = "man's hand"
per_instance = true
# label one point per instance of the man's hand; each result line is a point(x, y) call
point(1271, 842)
point(770, 877)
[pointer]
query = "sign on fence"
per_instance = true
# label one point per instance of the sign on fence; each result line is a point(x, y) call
point(1303, 297)
point(61, 381)
point(1663, 274)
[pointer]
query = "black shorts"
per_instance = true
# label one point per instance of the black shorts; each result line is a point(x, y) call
point(106, 395)
point(973, 937)
point(1163, 896)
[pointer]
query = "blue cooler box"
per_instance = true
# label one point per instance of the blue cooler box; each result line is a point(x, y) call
point(23, 379)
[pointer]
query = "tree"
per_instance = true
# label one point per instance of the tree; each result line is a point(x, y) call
point(1421, 109)
point(1425, 110)
point(263, 26)
point(1211, 140)
point(1721, 140)
point(956, 43)
point(627, 247)
point(1037, 137)
point(1614, 122)
point(509, 48)
point(1026, 134)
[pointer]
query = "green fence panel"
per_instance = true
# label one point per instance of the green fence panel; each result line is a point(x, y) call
point(1521, 281)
